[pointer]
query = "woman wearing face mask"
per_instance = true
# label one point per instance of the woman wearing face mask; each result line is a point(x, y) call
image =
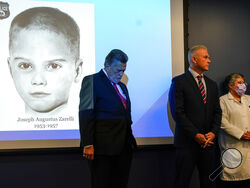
point(235, 129)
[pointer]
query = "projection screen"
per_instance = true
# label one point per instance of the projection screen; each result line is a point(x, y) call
point(42, 71)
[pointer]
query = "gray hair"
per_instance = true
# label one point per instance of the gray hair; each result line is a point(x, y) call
point(192, 51)
point(230, 79)
point(115, 54)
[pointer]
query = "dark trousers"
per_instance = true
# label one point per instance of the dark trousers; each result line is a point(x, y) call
point(111, 171)
point(187, 159)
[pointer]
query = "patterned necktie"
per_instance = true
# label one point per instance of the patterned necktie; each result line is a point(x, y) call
point(124, 101)
point(202, 89)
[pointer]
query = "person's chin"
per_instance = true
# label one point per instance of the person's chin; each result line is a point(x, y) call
point(44, 108)
point(206, 69)
point(118, 80)
point(41, 108)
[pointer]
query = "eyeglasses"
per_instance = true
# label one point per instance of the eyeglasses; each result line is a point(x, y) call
point(241, 83)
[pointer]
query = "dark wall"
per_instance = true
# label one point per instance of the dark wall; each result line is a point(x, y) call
point(224, 27)
point(152, 168)
point(43, 170)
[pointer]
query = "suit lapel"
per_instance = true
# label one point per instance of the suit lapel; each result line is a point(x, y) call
point(124, 90)
point(110, 87)
point(208, 89)
point(194, 85)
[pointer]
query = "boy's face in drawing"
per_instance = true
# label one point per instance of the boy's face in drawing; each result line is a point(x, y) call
point(43, 68)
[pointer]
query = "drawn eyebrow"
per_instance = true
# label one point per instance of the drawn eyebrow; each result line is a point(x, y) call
point(60, 60)
point(52, 60)
point(21, 58)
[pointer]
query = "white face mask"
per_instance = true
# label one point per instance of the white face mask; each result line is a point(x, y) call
point(241, 89)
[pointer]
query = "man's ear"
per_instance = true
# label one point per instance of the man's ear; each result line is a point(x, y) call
point(194, 60)
point(8, 60)
point(78, 70)
point(107, 67)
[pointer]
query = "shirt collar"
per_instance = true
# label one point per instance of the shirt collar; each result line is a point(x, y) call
point(195, 74)
point(108, 76)
point(105, 72)
point(230, 97)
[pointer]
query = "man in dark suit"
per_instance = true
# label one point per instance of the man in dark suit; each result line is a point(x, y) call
point(194, 105)
point(105, 123)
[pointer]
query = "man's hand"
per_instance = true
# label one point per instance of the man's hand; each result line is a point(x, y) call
point(200, 138)
point(88, 152)
point(205, 140)
point(209, 137)
point(246, 136)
